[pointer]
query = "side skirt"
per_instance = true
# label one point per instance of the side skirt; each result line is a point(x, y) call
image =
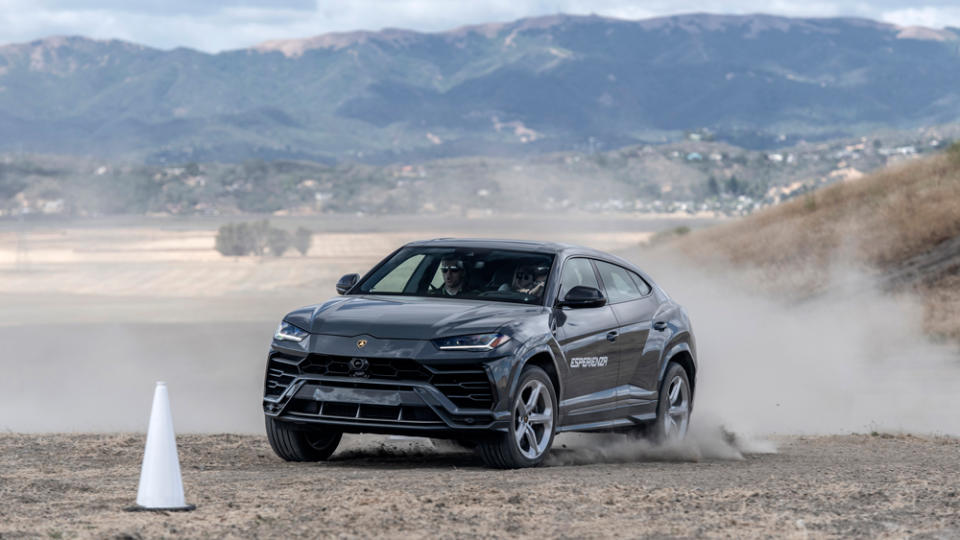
point(608, 425)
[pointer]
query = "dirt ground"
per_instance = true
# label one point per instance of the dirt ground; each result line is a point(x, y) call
point(880, 486)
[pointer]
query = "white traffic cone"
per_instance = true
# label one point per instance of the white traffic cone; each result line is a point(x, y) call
point(161, 487)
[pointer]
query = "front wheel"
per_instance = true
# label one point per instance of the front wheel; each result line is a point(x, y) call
point(673, 407)
point(293, 444)
point(530, 435)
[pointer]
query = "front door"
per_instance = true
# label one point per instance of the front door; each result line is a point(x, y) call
point(587, 338)
point(634, 306)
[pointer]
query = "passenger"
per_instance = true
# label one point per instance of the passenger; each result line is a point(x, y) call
point(527, 280)
point(454, 277)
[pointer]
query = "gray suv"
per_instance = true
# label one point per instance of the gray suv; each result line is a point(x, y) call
point(496, 344)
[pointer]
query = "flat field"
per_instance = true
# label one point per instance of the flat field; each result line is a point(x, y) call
point(176, 258)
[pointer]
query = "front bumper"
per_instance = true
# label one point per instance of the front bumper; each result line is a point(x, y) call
point(451, 397)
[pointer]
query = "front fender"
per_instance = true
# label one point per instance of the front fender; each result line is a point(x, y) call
point(509, 380)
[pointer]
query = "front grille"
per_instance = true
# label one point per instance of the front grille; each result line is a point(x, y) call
point(466, 385)
point(394, 369)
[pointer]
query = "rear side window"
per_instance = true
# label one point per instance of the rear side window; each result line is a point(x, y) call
point(641, 284)
point(619, 285)
point(577, 272)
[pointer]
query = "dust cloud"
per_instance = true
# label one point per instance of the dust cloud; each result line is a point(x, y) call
point(854, 359)
point(706, 440)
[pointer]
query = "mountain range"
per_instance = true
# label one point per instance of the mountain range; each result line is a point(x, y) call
point(525, 87)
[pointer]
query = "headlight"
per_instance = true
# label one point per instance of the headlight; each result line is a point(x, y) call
point(289, 332)
point(479, 342)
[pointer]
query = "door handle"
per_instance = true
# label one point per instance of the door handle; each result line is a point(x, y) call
point(612, 336)
point(660, 326)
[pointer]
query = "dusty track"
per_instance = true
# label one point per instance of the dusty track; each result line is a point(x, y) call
point(850, 486)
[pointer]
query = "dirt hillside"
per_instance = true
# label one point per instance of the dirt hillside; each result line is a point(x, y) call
point(901, 226)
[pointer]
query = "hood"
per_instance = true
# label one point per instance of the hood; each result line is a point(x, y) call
point(408, 317)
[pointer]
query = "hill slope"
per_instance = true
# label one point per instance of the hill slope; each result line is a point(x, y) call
point(901, 225)
point(529, 86)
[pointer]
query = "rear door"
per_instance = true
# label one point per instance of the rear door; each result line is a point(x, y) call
point(634, 305)
point(587, 337)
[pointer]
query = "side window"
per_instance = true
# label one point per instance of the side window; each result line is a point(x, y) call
point(618, 283)
point(397, 279)
point(577, 272)
point(641, 284)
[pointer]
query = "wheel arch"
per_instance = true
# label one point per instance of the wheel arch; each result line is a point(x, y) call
point(545, 360)
point(681, 353)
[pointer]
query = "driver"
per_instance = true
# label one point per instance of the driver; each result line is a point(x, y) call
point(454, 277)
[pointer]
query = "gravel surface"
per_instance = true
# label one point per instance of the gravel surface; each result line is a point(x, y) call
point(879, 486)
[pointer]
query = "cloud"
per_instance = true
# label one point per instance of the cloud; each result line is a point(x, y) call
point(932, 16)
point(218, 25)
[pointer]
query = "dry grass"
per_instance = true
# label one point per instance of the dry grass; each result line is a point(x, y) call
point(882, 219)
point(877, 222)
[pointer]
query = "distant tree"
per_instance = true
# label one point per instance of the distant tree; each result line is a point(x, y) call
point(278, 240)
point(302, 239)
point(259, 236)
point(733, 186)
point(253, 238)
point(233, 240)
point(713, 187)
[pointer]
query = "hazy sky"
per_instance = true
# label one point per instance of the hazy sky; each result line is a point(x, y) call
point(215, 25)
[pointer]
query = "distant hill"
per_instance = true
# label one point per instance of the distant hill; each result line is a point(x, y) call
point(525, 87)
point(687, 177)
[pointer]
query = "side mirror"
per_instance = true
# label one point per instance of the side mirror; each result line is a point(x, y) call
point(582, 297)
point(347, 282)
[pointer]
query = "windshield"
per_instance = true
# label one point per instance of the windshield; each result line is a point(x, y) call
point(482, 274)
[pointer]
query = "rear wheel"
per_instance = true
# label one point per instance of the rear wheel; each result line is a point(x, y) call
point(673, 407)
point(291, 444)
point(530, 435)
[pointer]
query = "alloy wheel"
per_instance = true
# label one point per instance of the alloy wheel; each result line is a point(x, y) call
point(533, 419)
point(678, 409)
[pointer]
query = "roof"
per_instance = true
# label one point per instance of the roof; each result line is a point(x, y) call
point(492, 243)
point(528, 245)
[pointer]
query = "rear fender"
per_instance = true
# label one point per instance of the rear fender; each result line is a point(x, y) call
point(682, 344)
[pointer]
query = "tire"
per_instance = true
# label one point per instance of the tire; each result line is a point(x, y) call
point(673, 407)
point(533, 416)
point(299, 444)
